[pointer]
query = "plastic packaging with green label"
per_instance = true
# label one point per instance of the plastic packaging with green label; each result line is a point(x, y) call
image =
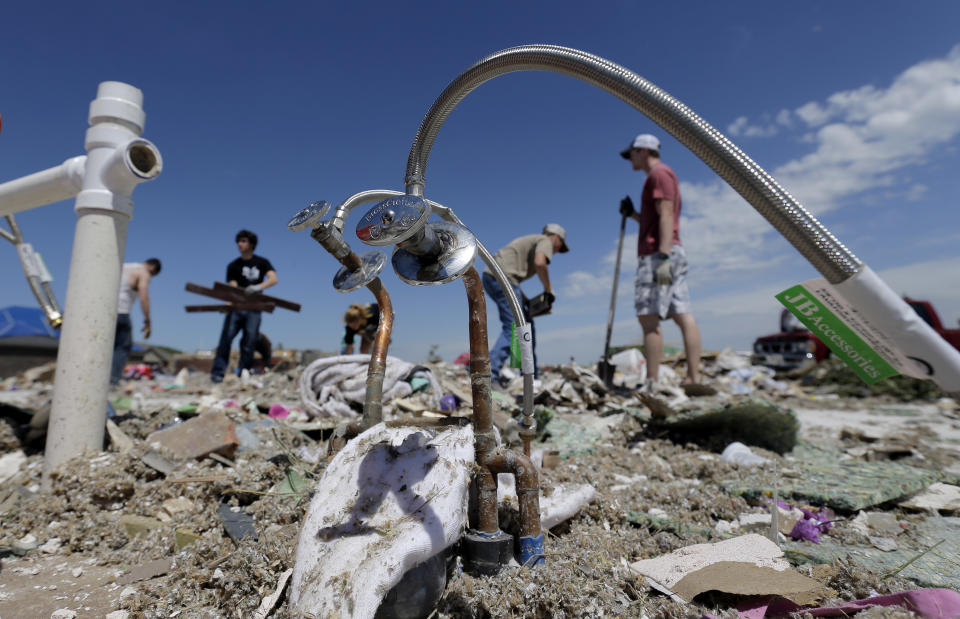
point(514, 346)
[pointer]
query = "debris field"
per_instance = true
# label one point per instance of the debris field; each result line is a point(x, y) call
point(194, 507)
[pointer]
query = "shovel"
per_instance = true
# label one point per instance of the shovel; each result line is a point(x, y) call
point(605, 368)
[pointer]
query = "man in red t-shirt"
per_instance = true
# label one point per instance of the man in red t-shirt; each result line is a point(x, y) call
point(661, 285)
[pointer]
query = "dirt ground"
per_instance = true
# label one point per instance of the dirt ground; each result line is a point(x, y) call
point(188, 565)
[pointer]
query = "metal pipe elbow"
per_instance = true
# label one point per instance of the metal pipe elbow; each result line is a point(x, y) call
point(527, 483)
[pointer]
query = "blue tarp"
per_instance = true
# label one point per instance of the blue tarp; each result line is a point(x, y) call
point(18, 321)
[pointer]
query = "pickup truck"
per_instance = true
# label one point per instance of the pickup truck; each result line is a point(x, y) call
point(789, 350)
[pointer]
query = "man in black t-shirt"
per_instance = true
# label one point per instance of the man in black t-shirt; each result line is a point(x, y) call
point(254, 274)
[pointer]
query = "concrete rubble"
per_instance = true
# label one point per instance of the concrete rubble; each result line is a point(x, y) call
point(176, 521)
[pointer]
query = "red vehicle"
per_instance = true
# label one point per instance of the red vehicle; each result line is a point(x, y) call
point(795, 347)
point(925, 310)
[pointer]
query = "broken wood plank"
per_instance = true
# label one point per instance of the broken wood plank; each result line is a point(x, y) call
point(231, 294)
point(290, 305)
point(232, 307)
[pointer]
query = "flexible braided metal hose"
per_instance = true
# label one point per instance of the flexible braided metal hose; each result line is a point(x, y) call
point(41, 289)
point(757, 187)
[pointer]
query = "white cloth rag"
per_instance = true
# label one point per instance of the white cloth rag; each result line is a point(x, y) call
point(328, 384)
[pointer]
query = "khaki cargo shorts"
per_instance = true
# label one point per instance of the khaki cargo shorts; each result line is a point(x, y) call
point(649, 298)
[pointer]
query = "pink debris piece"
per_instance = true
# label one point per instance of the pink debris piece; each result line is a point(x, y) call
point(926, 603)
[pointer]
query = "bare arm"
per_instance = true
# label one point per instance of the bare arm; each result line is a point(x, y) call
point(540, 263)
point(665, 211)
point(143, 291)
point(270, 280)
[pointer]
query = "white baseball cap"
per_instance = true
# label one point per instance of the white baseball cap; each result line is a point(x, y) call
point(559, 231)
point(644, 140)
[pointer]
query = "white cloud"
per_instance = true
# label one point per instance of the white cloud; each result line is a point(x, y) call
point(812, 113)
point(933, 280)
point(737, 126)
point(584, 283)
point(742, 126)
point(761, 131)
point(600, 282)
point(569, 334)
point(916, 192)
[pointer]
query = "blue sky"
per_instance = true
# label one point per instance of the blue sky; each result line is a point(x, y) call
point(261, 108)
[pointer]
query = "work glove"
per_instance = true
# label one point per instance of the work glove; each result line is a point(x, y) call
point(146, 331)
point(252, 289)
point(550, 297)
point(664, 276)
point(626, 207)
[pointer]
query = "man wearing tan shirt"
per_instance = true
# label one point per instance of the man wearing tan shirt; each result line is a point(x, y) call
point(520, 260)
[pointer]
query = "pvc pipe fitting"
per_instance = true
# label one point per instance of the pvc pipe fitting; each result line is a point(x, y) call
point(46, 187)
point(131, 163)
point(117, 160)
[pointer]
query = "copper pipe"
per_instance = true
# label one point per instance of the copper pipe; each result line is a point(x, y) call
point(528, 486)
point(484, 440)
point(479, 353)
point(494, 460)
point(526, 435)
point(333, 242)
point(373, 401)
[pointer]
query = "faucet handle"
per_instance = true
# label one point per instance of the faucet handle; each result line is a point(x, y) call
point(394, 220)
point(309, 216)
point(458, 250)
point(371, 263)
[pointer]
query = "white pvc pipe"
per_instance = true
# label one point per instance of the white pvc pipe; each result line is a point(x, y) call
point(117, 160)
point(51, 185)
point(914, 347)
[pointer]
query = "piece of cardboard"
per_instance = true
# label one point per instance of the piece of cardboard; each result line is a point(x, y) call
point(750, 579)
point(670, 569)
